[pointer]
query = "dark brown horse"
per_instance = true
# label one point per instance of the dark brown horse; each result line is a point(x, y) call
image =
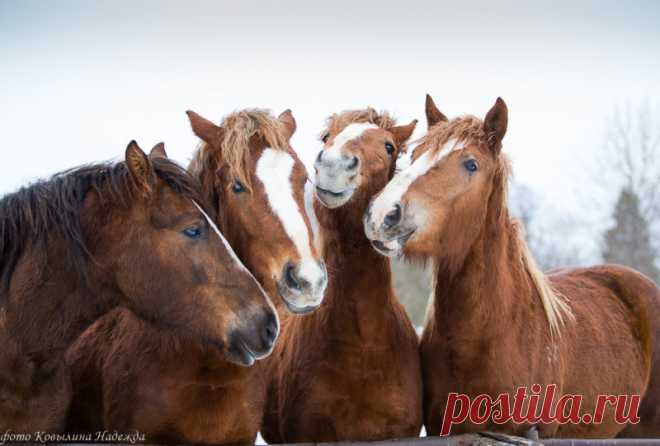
point(496, 321)
point(133, 235)
point(350, 370)
point(131, 374)
point(177, 390)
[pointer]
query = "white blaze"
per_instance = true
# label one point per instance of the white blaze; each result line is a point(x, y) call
point(311, 214)
point(235, 258)
point(274, 171)
point(398, 186)
point(222, 237)
point(350, 132)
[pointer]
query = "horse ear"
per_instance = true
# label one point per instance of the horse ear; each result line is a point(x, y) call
point(495, 124)
point(433, 115)
point(402, 133)
point(286, 117)
point(158, 151)
point(140, 168)
point(203, 128)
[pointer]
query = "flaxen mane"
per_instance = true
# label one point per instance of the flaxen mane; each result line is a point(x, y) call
point(338, 121)
point(234, 143)
point(469, 129)
point(48, 208)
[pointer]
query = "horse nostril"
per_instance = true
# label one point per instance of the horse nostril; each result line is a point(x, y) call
point(393, 217)
point(270, 331)
point(354, 163)
point(291, 278)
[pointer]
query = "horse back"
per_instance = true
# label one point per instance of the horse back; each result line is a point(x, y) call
point(640, 296)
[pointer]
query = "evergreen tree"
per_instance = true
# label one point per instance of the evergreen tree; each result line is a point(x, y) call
point(629, 241)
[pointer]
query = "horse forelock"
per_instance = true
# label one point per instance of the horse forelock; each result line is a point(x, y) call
point(463, 130)
point(336, 122)
point(234, 145)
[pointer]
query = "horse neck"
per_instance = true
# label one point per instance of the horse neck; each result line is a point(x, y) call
point(50, 303)
point(360, 279)
point(487, 291)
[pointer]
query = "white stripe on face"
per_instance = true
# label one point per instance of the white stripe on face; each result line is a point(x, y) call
point(213, 226)
point(349, 133)
point(274, 171)
point(399, 185)
point(235, 258)
point(313, 220)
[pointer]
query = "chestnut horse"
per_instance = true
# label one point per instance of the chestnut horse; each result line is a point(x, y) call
point(496, 321)
point(99, 237)
point(187, 394)
point(256, 182)
point(350, 370)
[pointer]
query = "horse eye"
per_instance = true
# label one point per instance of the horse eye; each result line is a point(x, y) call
point(325, 137)
point(192, 232)
point(238, 187)
point(471, 165)
point(389, 147)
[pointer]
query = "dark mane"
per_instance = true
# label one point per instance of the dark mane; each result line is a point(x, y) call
point(52, 207)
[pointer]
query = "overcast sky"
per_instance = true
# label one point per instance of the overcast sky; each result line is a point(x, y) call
point(81, 79)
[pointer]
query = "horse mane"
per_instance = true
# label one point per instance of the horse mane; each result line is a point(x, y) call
point(33, 214)
point(555, 305)
point(338, 121)
point(469, 128)
point(238, 129)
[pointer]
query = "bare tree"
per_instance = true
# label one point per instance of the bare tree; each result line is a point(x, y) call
point(628, 165)
point(628, 242)
point(631, 158)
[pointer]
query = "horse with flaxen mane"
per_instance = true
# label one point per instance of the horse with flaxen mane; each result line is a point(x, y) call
point(350, 370)
point(130, 235)
point(256, 182)
point(496, 322)
point(175, 385)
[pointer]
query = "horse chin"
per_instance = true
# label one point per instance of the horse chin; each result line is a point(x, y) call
point(392, 248)
point(388, 249)
point(297, 302)
point(290, 301)
point(333, 200)
point(299, 310)
point(239, 353)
